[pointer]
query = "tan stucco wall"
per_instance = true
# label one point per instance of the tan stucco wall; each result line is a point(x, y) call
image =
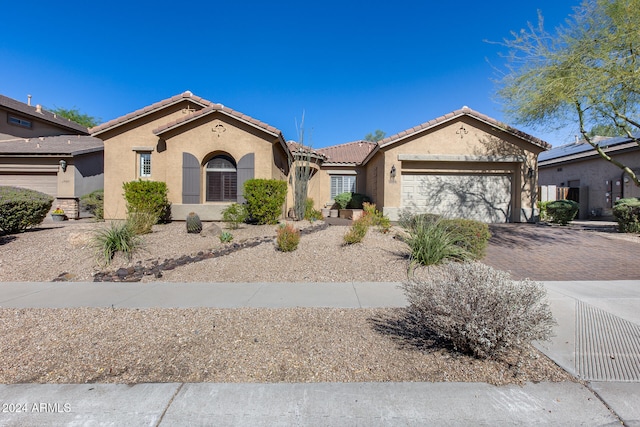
point(477, 139)
point(234, 138)
point(320, 190)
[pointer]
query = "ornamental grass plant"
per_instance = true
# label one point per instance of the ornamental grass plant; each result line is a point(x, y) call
point(118, 237)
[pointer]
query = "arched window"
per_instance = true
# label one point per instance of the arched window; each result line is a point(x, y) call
point(221, 179)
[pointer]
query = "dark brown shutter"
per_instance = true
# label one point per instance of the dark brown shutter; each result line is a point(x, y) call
point(190, 179)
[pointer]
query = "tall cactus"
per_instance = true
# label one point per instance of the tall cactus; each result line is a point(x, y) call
point(194, 225)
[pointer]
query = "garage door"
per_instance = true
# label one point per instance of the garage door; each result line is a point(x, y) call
point(481, 197)
point(44, 182)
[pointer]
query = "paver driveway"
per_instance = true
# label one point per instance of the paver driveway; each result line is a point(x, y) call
point(541, 252)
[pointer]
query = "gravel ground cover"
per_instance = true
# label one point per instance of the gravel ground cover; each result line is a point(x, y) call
point(240, 345)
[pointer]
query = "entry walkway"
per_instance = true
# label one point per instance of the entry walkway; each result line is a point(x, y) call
point(581, 309)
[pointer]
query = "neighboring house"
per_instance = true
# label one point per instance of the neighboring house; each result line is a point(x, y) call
point(463, 164)
point(575, 171)
point(203, 151)
point(42, 151)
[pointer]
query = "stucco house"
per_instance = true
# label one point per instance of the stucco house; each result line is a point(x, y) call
point(576, 172)
point(48, 153)
point(203, 151)
point(463, 164)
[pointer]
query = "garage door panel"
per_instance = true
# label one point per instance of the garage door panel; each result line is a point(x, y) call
point(44, 182)
point(482, 197)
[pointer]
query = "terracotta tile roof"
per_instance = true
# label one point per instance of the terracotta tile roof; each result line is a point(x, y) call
point(294, 147)
point(457, 113)
point(351, 153)
point(40, 113)
point(148, 110)
point(65, 145)
point(212, 108)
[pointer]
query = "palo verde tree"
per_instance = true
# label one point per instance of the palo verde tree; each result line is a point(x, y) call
point(378, 135)
point(587, 73)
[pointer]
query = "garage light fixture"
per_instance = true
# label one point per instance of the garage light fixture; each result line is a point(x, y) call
point(530, 173)
point(393, 171)
point(63, 165)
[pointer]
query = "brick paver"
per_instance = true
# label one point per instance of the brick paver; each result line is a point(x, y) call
point(547, 253)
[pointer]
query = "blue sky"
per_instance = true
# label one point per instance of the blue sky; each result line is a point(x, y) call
point(352, 67)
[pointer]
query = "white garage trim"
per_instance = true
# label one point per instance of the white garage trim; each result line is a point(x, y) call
point(459, 158)
point(483, 197)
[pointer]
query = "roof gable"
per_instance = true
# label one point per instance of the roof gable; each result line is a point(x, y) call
point(150, 109)
point(218, 108)
point(40, 114)
point(464, 111)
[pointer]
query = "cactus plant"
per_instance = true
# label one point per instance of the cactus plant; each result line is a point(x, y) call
point(194, 225)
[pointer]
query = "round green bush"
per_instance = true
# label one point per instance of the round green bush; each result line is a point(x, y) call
point(21, 208)
point(627, 213)
point(562, 211)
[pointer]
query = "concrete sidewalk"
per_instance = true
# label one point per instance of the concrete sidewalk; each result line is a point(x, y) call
point(588, 313)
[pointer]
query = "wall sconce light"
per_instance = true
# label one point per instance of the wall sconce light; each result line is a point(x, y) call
point(462, 131)
point(393, 171)
point(63, 165)
point(530, 173)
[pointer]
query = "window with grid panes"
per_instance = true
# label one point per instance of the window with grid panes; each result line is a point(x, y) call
point(145, 164)
point(342, 184)
point(222, 180)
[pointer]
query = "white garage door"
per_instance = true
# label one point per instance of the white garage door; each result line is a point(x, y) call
point(481, 197)
point(44, 182)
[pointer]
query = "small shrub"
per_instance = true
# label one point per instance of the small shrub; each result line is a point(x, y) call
point(311, 213)
point(288, 238)
point(119, 237)
point(627, 214)
point(480, 310)
point(234, 214)
point(432, 242)
point(147, 202)
point(562, 211)
point(225, 237)
point(343, 199)
point(94, 203)
point(265, 198)
point(141, 222)
point(21, 208)
point(358, 200)
point(542, 206)
point(408, 219)
point(473, 236)
point(376, 218)
point(357, 231)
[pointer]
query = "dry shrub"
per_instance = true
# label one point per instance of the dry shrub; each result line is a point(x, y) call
point(288, 238)
point(357, 231)
point(480, 310)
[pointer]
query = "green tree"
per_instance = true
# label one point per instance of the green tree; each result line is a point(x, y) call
point(75, 115)
point(587, 72)
point(378, 135)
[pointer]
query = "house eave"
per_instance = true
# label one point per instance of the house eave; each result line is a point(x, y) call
point(147, 113)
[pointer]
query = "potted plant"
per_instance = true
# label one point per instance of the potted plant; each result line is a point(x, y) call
point(58, 214)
